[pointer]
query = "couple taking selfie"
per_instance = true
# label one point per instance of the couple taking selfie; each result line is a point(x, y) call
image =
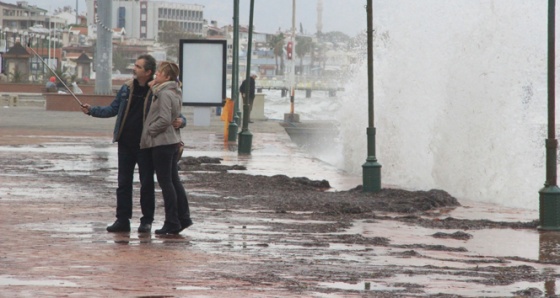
point(148, 110)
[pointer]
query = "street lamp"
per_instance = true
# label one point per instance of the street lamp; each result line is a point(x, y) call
point(245, 136)
point(233, 125)
point(371, 168)
point(549, 195)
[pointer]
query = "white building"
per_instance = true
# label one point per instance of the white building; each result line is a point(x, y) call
point(142, 19)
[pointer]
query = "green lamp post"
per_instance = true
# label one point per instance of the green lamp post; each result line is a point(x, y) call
point(245, 136)
point(371, 168)
point(549, 195)
point(234, 124)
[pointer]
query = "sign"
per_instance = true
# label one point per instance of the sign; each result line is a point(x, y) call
point(203, 71)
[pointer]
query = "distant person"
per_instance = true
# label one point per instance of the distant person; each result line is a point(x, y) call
point(243, 90)
point(76, 89)
point(130, 106)
point(163, 140)
point(60, 85)
point(51, 85)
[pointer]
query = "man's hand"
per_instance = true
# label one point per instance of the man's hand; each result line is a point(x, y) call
point(177, 122)
point(85, 108)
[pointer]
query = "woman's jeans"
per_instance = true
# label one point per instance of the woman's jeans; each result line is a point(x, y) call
point(174, 195)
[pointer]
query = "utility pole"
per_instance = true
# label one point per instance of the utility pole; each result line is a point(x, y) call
point(76, 12)
point(104, 49)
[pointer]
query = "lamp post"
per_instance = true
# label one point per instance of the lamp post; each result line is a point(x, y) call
point(293, 64)
point(233, 125)
point(371, 168)
point(292, 116)
point(549, 195)
point(245, 136)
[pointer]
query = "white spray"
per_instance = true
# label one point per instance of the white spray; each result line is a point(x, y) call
point(460, 98)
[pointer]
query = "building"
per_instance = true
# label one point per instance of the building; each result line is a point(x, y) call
point(68, 14)
point(144, 19)
point(21, 16)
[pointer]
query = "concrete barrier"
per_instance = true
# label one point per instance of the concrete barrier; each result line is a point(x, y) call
point(258, 107)
point(66, 102)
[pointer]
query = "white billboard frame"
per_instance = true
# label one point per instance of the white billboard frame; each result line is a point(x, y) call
point(203, 71)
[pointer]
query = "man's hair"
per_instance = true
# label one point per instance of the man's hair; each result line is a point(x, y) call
point(149, 62)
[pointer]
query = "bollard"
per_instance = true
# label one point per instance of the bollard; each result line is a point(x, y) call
point(307, 93)
point(13, 100)
point(257, 112)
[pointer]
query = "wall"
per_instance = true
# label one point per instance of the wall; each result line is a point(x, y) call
point(66, 102)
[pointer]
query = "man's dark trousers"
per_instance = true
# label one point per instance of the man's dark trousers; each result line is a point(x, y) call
point(129, 155)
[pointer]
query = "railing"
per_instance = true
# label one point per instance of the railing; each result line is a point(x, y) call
point(302, 83)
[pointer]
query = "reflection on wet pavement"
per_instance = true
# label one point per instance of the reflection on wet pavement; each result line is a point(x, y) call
point(12, 281)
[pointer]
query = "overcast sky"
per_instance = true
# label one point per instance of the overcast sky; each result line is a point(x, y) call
point(348, 16)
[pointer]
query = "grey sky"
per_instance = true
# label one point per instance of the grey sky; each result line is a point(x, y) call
point(348, 16)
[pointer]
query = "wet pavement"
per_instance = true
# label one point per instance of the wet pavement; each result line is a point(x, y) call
point(57, 184)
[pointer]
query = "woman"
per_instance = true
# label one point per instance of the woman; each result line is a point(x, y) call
point(163, 140)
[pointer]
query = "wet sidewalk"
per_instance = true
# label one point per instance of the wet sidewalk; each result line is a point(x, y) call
point(57, 183)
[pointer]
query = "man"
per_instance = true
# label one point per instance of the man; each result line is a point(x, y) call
point(50, 85)
point(130, 106)
point(243, 91)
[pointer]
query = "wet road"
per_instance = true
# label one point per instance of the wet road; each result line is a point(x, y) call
point(57, 185)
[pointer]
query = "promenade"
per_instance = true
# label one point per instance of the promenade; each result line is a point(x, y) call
point(257, 231)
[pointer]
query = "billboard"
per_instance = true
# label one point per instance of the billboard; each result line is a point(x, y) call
point(203, 69)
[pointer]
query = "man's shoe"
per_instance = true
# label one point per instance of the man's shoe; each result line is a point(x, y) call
point(185, 224)
point(168, 229)
point(119, 226)
point(145, 228)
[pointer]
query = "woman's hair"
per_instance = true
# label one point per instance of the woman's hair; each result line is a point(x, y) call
point(170, 69)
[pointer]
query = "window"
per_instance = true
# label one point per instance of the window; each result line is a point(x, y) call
point(121, 22)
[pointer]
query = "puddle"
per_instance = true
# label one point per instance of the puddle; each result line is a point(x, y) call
point(436, 284)
point(478, 210)
point(520, 243)
point(361, 286)
point(459, 285)
point(11, 281)
point(192, 288)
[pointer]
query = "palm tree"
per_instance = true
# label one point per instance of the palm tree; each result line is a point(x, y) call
point(303, 46)
point(276, 43)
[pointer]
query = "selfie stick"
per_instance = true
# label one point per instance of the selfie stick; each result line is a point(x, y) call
point(74, 95)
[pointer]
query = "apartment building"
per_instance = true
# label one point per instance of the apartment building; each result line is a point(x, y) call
point(143, 19)
point(21, 16)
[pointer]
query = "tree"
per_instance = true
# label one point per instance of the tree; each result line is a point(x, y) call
point(170, 34)
point(120, 62)
point(303, 47)
point(276, 43)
